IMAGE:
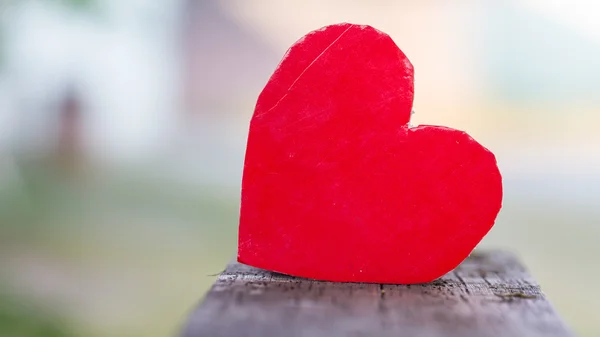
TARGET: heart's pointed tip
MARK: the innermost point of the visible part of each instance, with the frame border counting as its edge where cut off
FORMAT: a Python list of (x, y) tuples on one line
[(240, 259)]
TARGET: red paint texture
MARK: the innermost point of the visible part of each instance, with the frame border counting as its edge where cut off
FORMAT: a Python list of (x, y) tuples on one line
[(338, 187)]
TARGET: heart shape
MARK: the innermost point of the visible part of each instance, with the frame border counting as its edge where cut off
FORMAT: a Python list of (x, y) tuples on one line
[(338, 187)]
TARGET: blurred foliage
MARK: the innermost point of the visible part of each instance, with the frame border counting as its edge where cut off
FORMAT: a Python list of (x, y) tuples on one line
[(77, 3), (122, 226), (18, 319)]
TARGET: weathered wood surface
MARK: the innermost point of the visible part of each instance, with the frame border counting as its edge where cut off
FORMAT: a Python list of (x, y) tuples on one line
[(488, 295)]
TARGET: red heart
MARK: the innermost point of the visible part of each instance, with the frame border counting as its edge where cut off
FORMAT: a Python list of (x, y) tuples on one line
[(338, 187)]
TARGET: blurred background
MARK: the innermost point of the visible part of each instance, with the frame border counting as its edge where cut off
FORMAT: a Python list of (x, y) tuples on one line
[(123, 126)]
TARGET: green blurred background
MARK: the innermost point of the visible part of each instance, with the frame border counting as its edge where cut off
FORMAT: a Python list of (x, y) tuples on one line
[(123, 126)]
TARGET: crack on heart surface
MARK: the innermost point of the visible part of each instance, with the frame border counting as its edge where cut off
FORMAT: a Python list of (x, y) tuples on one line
[(308, 67)]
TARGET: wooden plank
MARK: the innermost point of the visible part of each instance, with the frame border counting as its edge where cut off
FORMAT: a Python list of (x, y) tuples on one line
[(488, 295)]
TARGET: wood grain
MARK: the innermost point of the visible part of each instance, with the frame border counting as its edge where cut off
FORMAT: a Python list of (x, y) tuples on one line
[(489, 295)]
